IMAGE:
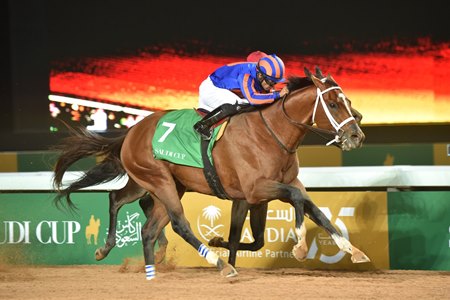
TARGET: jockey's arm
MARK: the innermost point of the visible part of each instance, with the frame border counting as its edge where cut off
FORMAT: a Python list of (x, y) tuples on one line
[(247, 85)]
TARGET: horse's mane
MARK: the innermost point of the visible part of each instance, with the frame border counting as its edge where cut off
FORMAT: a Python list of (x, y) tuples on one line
[(297, 82)]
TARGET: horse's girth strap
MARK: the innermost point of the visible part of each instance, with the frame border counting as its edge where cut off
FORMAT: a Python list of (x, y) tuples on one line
[(210, 173)]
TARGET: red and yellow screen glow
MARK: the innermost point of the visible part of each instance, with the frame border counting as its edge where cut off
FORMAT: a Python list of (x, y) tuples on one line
[(407, 87)]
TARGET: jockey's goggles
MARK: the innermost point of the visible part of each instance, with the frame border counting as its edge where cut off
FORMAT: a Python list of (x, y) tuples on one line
[(267, 79)]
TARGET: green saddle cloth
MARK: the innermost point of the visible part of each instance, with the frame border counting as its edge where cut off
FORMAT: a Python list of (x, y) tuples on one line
[(176, 141)]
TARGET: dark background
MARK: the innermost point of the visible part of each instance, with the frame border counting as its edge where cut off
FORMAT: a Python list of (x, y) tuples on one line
[(35, 33)]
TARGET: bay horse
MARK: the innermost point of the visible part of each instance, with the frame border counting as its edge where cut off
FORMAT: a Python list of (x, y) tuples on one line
[(256, 162)]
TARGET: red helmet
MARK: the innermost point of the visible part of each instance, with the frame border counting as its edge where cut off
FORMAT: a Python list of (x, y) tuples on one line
[(255, 56), (272, 68)]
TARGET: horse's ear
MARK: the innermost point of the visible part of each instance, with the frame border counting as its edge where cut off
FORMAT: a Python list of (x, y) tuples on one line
[(317, 82), (319, 73), (330, 78), (307, 72)]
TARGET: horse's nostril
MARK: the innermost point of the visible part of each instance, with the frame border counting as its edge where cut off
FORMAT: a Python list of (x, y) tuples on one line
[(356, 138)]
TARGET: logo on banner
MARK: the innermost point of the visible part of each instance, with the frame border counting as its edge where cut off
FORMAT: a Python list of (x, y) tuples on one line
[(46, 232), (92, 230), (207, 225), (128, 231), (325, 240)]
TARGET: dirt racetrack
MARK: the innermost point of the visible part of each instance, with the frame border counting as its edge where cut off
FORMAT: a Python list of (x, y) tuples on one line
[(124, 282)]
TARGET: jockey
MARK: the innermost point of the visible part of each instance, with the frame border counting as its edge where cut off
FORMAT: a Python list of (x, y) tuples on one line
[(230, 86)]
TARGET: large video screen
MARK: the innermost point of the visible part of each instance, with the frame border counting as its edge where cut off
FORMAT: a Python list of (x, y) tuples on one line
[(408, 86), (112, 64)]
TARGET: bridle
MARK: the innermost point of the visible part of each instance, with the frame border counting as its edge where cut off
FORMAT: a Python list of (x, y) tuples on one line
[(319, 131)]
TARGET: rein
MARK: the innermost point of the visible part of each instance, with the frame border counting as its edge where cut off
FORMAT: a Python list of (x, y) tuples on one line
[(280, 143)]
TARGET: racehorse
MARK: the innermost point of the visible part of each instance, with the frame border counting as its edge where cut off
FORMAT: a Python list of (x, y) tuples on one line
[(255, 158)]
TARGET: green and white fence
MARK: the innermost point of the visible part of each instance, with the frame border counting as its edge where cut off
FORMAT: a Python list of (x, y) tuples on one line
[(398, 215)]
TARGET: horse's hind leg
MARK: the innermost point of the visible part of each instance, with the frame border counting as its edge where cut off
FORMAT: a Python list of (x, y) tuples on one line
[(167, 194), (149, 231), (131, 192), (157, 219), (160, 255)]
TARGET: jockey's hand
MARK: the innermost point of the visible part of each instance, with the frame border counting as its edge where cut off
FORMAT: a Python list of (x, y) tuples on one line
[(284, 91)]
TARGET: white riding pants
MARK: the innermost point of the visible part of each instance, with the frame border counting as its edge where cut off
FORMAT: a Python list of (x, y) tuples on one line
[(211, 97)]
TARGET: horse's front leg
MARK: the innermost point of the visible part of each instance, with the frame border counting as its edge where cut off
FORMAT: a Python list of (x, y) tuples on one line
[(258, 214), (297, 199), (271, 190), (239, 211), (318, 217)]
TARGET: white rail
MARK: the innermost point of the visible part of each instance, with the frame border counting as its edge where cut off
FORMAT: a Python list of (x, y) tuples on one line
[(378, 177)]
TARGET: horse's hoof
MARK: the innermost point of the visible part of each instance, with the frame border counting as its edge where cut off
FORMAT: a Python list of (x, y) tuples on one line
[(99, 254), (216, 241), (359, 257), (150, 278), (229, 272), (300, 252)]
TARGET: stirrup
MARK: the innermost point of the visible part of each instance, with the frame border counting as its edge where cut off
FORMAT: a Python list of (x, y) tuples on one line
[(204, 131)]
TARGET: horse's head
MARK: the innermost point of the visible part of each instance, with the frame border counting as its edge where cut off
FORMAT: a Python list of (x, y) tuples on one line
[(333, 111)]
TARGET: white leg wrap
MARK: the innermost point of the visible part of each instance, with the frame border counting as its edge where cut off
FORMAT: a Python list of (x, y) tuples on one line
[(342, 243), (150, 272), (301, 233), (210, 256)]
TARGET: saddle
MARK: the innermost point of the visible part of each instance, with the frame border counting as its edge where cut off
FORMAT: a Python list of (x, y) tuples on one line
[(176, 141)]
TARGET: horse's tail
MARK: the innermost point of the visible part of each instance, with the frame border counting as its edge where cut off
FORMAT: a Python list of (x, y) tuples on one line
[(82, 144)]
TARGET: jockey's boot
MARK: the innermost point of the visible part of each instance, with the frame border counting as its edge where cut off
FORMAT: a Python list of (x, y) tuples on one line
[(203, 127)]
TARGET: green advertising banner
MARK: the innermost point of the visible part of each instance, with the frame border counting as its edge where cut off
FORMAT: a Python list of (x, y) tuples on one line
[(419, 230), (397, 230), (34, 231)]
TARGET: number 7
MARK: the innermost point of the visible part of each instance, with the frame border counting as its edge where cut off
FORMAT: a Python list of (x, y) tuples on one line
[(170, 128)]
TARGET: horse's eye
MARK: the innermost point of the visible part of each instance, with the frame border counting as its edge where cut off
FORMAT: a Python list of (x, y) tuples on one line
[(332, 105)]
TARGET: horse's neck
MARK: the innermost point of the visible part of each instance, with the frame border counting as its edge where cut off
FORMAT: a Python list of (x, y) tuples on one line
[(288, 134), (300, 105)]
